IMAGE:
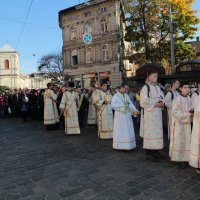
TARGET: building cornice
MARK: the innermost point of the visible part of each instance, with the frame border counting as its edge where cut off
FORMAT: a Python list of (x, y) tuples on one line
[(79, 7)]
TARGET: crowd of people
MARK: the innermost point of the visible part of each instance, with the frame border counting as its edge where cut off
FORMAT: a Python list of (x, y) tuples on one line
[(112, 111)]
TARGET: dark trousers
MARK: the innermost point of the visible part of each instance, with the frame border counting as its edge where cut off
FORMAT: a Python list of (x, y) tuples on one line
[(24, 115), (151, 152)]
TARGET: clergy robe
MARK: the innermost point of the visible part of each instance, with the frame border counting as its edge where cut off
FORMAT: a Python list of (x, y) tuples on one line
[(168, 103), (104, 114), (194, 157), (69, 104), (194, 95), (152, 119), (91, 111), (123, 130), (180, 134), (142, 123), (50, 109)]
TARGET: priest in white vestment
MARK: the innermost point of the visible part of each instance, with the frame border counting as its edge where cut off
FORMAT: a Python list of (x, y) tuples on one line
[(151, 100), (180, 135), (123, 129), (68, 107), (194, 157), (169, 97), (102, 99), (50, 109)]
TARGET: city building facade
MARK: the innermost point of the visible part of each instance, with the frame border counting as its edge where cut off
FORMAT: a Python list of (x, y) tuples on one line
[(102, 57), (11, 76)]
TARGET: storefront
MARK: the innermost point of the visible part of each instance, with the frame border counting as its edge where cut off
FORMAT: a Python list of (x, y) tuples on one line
[(84, 80)]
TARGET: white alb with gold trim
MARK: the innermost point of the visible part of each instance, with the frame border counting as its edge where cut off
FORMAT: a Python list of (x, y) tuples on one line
[(50, 108), (69, 103), (180, 134), (123, 129), (194, 157)]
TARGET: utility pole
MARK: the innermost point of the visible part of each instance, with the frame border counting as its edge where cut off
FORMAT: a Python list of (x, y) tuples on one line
[(171, 38)]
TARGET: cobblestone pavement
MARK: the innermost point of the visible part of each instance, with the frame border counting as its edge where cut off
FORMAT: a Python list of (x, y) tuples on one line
[(39, 164)]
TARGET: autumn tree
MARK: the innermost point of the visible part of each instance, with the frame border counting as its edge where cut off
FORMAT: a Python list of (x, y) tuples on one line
[(149, 32), (52, 65)]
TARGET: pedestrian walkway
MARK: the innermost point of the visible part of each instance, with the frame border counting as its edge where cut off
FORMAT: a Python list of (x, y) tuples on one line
[(39, 164)]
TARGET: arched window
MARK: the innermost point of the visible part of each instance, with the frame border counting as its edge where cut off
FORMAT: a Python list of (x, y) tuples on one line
[(6, 64), (105, 52), (74, 57), (73, 33), (89, 55), (103, 26)]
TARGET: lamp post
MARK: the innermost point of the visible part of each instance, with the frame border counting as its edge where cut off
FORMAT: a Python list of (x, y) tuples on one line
[(171, 38)]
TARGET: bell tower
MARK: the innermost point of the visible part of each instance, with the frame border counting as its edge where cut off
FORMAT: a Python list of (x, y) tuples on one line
[(9, 66)]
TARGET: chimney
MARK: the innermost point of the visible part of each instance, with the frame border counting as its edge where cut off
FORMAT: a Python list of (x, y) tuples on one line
[(197, 39)]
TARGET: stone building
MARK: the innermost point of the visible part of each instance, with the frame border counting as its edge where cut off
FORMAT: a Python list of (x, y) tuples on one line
[(10, 75), (38, 80), (103, 57), (196, 45)]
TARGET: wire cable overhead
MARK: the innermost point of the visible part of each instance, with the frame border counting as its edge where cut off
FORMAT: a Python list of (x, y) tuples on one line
[(22, 30)]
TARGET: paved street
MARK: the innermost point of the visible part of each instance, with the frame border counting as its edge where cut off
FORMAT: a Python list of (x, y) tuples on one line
[(36, 164)]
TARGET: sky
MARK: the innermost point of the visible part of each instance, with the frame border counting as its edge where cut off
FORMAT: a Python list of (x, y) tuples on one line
[(41, 33)]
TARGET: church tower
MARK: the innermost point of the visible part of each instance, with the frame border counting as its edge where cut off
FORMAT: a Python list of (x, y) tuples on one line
[(9, 67)]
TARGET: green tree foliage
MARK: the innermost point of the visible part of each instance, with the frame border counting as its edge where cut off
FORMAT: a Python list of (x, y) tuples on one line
[(3, 88), (149, 32)]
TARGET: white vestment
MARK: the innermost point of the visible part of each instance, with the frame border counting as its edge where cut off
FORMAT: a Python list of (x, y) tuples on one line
[(69, 103), (168, 103), (102, 101), (152, 120), (194, 95), (180, 134), (50, 108), (194, 157), (91, 113), (123, 130)]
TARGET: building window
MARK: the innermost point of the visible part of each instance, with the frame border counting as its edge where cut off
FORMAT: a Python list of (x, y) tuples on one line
[(89, 55), (104, 9), (103, 26), (87, 28), (105, 53), (87, 14), (74, 57), (6, 64), (73, 33)]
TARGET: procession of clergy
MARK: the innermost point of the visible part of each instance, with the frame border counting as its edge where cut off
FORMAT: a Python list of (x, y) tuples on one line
[(113, 116)]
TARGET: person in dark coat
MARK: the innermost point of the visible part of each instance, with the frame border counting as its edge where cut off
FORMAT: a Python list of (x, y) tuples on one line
[(16, 98), (83, 106), (40, 100), (24, 107)]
